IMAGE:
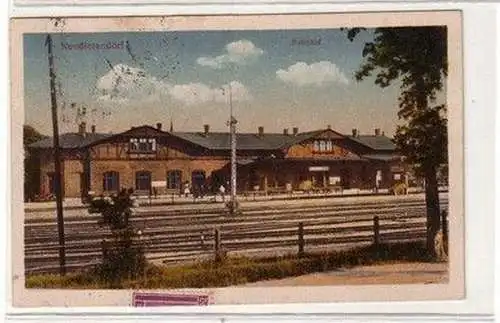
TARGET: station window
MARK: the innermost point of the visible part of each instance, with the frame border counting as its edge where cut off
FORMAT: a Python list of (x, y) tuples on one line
[(111, 181), (174, 179), (322, 146), (142, 145)]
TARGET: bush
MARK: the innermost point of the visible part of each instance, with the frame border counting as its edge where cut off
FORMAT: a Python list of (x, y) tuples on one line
[(241, 270), (80, 280), (123, 257)]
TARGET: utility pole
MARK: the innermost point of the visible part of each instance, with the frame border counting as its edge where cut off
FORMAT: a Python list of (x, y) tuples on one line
[(232, 130), (57, 160)]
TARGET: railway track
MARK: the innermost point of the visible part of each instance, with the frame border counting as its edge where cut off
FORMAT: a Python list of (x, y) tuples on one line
[(175, 236)]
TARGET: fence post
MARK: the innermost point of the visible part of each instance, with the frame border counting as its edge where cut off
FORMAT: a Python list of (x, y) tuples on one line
[(301, 239), (104, 248), (444, 228), (217, 241), (376, 233)]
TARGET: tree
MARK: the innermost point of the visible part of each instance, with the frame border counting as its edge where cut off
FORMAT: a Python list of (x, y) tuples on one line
[(31, 135), (417, 58), (31, 171), (123, 256)]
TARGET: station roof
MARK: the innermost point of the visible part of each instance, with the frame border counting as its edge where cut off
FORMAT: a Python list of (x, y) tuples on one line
[(71, 140), (221, 140)]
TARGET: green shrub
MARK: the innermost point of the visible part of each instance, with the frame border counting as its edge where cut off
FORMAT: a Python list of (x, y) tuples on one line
[(123, 256), (238, 270)]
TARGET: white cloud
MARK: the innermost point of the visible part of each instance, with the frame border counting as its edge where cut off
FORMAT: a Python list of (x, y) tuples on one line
[(317, 73), (192, 93), (197, 93), (238, 52), (213, 62), (124, 84), (112, 99), (243, 48)]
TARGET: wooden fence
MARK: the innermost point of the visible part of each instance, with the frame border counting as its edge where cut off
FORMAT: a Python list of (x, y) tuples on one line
[(251, 236)]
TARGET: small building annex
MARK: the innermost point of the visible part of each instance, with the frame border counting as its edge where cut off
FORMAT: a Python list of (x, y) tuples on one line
[(147, 157)]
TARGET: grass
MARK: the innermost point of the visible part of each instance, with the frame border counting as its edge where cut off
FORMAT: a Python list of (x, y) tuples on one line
[(240, 270)]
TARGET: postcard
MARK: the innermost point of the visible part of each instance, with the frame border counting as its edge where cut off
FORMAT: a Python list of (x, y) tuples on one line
[(237, 159)]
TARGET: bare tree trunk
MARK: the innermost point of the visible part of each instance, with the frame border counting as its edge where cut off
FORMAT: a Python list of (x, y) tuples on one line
[(432, 206)]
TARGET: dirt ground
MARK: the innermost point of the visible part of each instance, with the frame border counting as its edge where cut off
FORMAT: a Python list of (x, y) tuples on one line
[(399, 273)]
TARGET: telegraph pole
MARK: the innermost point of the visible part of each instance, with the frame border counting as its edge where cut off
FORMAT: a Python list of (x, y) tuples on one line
[(57, 160), (232, 130)]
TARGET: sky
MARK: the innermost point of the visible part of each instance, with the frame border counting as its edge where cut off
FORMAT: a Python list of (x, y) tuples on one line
[(275, 78)]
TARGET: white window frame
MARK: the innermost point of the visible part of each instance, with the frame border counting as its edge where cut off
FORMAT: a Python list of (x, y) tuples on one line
[(142, 145)]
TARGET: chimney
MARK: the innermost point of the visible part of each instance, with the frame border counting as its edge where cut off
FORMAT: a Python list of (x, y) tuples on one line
[(377, 132), (285, 131), (93, 128), (295, 131), (354, 132), (329, 127), (261, 131), (206, 129), (158, 126), (82, 128)]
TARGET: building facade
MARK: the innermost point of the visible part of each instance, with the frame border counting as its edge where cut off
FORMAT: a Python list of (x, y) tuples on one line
[(149, 159)]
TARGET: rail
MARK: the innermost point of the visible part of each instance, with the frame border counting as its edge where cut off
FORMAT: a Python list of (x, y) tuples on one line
[(188, 241)]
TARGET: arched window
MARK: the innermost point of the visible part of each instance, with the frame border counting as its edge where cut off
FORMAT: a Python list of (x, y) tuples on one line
[(143, 181), (174, 178), (111, 181)]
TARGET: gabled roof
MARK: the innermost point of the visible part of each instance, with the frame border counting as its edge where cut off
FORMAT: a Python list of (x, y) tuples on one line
[(218, 140), (221, 140), (244, 141), (380, 142), (71, 140)]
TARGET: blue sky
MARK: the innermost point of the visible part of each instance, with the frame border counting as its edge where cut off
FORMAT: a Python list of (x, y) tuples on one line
[(278, 79)]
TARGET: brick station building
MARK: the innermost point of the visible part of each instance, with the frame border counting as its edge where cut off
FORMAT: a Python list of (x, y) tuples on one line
[(148, 159)]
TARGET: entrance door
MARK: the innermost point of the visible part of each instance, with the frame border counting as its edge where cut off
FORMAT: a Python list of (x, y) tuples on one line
[(345, 178), (198, 182), (52, 183), (83, 186), (143, 181), (198, 178), (318, 179)]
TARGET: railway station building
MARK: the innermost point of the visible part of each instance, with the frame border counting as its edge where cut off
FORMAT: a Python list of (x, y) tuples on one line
[(148, 158)]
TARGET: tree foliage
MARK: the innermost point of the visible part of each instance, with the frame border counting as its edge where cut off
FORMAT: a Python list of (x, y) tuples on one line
[(31, 166), (31, 135), (416, 59), (123, 255), (424, 139)]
